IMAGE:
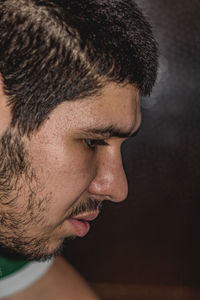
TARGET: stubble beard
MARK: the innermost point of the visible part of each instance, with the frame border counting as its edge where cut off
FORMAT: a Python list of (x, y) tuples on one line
[(17, 219), (18, 181)]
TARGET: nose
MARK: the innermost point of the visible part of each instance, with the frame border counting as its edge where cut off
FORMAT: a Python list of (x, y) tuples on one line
[(110, 182)]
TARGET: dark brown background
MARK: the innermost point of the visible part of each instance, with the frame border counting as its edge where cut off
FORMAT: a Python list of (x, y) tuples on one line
[(153, 237)]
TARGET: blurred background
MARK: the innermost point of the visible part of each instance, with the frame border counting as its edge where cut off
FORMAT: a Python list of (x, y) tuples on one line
[(148, 247)]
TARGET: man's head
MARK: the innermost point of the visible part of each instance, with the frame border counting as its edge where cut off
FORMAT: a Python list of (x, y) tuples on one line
[(71, 75)]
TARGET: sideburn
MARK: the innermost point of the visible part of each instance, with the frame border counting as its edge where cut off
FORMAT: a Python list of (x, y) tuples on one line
[(12, 164)]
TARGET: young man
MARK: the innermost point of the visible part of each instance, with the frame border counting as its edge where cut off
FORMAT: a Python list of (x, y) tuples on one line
[(71, 76)]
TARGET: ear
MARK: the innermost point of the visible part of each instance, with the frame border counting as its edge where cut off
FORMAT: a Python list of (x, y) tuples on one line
[(5, 112), (1, 84), (1, 87)]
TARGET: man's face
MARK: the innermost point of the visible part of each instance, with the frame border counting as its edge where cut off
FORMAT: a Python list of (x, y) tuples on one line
[(58, 178)]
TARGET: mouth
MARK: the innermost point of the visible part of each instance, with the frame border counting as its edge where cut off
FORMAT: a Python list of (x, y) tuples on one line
[(81, 224)]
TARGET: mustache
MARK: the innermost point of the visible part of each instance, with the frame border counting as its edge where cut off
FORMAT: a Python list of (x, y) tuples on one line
[(87, 206)]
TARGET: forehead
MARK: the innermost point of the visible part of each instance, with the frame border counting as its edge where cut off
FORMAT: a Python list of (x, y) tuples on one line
[(116, 106)]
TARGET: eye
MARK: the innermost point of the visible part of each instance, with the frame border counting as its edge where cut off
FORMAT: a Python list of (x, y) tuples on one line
[(93, 143)]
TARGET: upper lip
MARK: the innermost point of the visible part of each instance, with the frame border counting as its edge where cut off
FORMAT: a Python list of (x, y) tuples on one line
[(87, 216)]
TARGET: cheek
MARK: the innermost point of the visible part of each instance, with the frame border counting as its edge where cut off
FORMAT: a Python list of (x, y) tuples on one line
[(66, 162), (72, 174), (64, 173)]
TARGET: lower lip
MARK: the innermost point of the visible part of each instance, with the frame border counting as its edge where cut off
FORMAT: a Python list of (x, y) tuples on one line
[(81, 227)]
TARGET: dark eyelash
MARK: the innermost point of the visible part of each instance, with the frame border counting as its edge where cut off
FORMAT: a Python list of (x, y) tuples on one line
[(95, 143)]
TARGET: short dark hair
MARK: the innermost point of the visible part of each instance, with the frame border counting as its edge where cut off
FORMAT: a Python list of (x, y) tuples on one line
[(57, 50)]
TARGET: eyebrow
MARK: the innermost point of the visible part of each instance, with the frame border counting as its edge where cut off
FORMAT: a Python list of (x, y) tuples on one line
[(110, 131)]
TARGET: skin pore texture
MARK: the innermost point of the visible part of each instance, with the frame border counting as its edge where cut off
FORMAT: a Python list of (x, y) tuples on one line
[(65, 170)]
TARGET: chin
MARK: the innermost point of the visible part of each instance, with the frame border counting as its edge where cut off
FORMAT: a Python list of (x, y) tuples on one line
[(54, 248)]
